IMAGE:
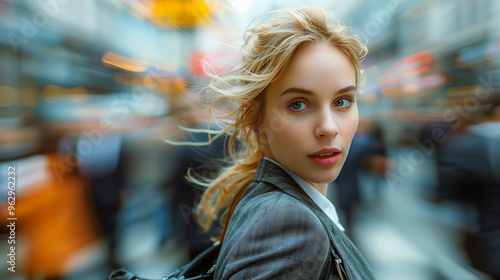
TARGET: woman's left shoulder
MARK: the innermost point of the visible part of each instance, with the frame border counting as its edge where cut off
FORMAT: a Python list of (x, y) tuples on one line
[(276, 235), (277, 212)]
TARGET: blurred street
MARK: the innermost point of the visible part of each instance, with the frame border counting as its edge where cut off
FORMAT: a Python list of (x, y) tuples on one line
[(91, 89)]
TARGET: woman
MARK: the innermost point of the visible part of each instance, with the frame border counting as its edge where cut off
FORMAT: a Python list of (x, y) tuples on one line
[(295, 113)]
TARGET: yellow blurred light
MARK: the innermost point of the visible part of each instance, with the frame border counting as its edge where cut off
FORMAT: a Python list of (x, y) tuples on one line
[(119, 61), (181, 84), (180, 12)]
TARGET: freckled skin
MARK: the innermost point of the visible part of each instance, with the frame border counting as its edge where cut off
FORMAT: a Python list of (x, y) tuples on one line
[(298, 124)]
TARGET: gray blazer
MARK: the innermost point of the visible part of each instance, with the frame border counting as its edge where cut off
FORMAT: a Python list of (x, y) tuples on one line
[(278, 232)]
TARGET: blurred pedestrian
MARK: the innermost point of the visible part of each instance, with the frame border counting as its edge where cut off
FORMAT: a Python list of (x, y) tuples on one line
[(367, 153), (199, 158), (469, 172)]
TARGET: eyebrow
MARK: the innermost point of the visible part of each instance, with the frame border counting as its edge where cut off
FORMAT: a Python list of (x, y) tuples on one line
[(308, 92)]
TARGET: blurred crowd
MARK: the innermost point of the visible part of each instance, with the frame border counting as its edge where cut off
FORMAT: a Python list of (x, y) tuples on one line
[(90, 90)]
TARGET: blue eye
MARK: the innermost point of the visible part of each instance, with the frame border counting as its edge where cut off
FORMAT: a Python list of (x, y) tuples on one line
[(298, 106), (343, 103)]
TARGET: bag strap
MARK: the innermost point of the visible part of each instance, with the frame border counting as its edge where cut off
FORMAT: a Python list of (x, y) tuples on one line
[(122, 274), (190, 271), (200, 262)]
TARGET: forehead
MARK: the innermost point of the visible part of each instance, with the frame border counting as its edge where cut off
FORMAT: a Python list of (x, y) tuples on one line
[(318, 67)]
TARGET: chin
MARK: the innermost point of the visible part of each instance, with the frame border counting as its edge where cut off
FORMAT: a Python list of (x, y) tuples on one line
[(326, 178)]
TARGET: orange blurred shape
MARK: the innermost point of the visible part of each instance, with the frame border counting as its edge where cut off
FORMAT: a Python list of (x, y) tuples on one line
[(409, 66), (129, 79), (403, 90), (54, 220), (418, 63), (410, 89), (52, 93), (369, 98), (460, 91), (184, 13), (158, 83), (115, 60), (463, 101), (26, 97), (202, 62)]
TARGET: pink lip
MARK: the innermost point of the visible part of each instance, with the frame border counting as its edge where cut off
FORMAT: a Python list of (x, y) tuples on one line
[(325, 151), (325, 161)]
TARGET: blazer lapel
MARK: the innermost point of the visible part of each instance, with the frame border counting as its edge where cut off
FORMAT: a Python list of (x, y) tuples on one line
[(355, 265)]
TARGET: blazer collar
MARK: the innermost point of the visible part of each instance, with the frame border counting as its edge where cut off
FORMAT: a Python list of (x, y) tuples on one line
[(356, 265), (270, 173)]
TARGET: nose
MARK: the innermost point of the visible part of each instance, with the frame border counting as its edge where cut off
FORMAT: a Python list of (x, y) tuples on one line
[(326, 125)]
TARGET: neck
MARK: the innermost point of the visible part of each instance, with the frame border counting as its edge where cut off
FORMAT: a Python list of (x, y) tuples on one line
[(322, 188)]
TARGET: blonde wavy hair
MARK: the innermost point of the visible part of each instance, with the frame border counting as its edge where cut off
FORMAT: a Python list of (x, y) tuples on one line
[(268, 48)]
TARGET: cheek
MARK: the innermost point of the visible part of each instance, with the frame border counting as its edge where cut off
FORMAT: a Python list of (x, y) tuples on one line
[(274, 124), (286, 135), (290, 135), (349, 126)]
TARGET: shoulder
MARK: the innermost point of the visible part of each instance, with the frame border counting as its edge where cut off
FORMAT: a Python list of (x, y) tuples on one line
[(275, 209), (471, 147), (275, 233), (462, 142)]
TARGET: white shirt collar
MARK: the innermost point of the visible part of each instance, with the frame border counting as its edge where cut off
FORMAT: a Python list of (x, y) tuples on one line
[(323, 202)]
